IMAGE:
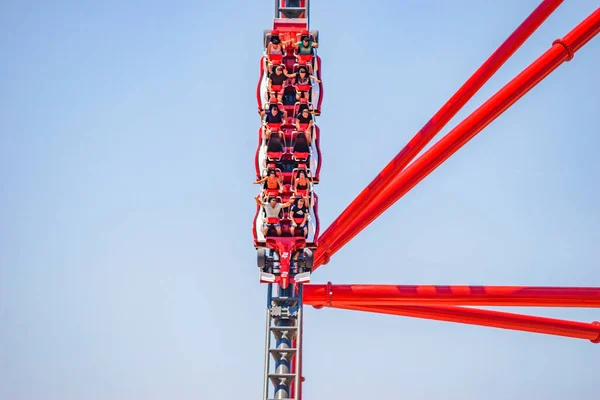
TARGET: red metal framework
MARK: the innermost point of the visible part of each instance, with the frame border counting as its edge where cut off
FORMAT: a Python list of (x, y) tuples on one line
[(371, 202), (455, 303), (492, 319), (492, 296), (397, 179), (439, 303)]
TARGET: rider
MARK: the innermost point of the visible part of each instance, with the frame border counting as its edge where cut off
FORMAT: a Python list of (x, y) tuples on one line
[(304, 123), (301, 184), (271, 182), (276, 49), (305, 49), (302, 82), (277, 79), (300, 214), (274, 118), (272, 210)]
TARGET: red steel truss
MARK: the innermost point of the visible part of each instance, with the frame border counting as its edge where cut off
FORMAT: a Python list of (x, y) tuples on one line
[(493, 319), (561, 50), (338, 228), (447, 303), (440, 303), (493, 296)]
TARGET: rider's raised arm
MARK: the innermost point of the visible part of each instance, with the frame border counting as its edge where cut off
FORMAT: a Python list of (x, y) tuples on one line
[(289, 202), (259, 201)]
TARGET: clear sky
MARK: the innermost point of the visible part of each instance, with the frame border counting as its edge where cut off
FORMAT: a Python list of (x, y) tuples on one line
[(127, 139)]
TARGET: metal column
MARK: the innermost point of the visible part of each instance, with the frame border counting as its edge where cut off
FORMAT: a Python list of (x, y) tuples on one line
[(284, 318)]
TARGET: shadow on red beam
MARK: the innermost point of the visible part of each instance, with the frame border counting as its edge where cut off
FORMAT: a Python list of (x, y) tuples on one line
[(494, 319), (398, 295)]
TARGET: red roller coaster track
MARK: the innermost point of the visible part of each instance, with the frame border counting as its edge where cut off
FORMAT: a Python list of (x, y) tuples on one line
[(456, 303)]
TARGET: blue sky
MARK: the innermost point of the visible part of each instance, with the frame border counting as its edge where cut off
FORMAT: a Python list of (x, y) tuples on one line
[(127, 138)]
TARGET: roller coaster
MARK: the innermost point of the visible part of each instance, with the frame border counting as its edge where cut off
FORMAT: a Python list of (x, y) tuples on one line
[(286, 229)]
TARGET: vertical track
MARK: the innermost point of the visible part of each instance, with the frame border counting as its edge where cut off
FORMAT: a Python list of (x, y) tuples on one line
[(283, 342), (299, 340), (267, 341), (283, 322)]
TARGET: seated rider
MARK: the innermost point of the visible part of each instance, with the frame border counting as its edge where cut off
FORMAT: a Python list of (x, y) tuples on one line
[(275, 49), (305, 49), (273, 103), (304, 123), (276, 81), (274, 118), (303, 83), (300, 214), (272, 210), (272, 183), (301, 184)]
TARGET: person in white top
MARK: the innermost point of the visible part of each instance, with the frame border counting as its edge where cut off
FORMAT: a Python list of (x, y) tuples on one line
[(276, 47), (272, 209)]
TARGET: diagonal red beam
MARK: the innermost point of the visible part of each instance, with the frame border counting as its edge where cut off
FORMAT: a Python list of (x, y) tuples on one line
[(441, 118), (426, 295), (562, 50), (494, 319)]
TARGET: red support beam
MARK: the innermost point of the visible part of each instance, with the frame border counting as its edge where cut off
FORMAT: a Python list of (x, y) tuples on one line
[(493, 319), (494, 296), (441, 118), (562, 50)]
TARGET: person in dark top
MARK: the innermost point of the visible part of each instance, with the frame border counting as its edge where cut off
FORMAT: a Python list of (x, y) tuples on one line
[(303, 82), (274, 115), (304, 123), (300, 214), (301, 108), (304, 116), (277, 79), (301, 185), (273, 104), (273, 120)]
